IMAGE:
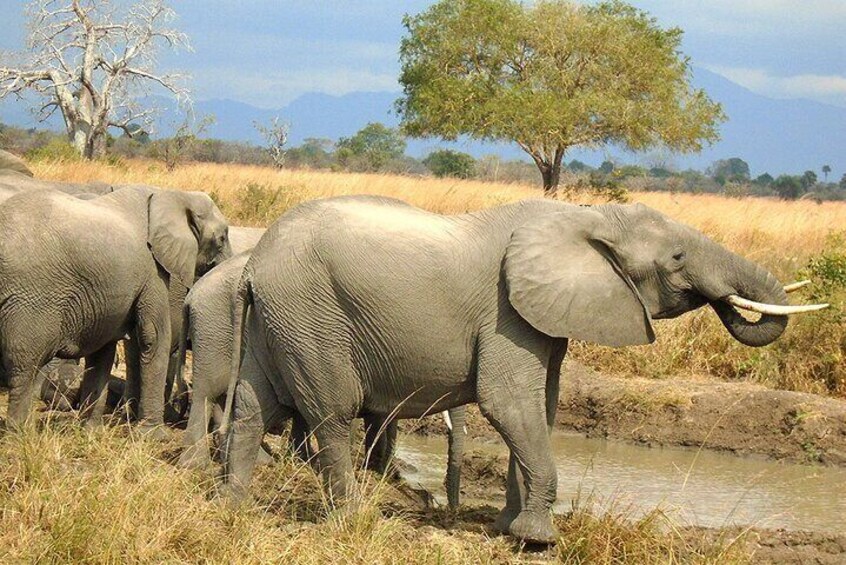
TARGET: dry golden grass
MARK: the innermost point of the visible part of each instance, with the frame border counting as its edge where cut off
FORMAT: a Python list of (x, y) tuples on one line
[(72, 496), (780, 235), (773, 232)]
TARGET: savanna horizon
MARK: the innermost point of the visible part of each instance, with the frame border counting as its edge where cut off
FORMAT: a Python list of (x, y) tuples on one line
[(783, 236)]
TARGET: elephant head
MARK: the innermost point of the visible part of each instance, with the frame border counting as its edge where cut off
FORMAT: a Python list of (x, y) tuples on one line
[(187, 234), (602, 274)]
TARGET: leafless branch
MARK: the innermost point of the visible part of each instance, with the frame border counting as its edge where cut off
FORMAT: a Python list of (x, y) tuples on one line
[(92, 61)]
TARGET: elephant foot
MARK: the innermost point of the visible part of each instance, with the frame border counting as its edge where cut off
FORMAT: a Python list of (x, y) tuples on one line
[(503, 521), (155, 432), (264, 457), (93, 424), (192, 458), (532, 527), (233, 495)]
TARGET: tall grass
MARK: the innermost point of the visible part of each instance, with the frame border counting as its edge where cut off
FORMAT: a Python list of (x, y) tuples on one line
[(782, 236), (72, 496)]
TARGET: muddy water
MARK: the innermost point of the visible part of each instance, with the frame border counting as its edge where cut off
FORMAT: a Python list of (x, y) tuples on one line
[(694, 488)]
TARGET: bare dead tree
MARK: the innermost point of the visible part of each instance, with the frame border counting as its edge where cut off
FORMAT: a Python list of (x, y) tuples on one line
[(275, 137), (92, 62)]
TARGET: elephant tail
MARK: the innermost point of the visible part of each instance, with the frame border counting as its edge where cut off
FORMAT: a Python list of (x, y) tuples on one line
[(181, 385), (241, 302)]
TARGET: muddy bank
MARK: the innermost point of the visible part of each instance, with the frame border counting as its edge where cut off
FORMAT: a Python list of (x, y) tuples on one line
[(739, 418)]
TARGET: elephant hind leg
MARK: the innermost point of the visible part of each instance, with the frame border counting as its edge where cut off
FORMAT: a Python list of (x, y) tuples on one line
[(95, 380), (255, 410), (21, 377), (333, 440), (379, 443)]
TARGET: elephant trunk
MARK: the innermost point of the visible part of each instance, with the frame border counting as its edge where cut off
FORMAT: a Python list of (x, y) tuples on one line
[(753, 283)]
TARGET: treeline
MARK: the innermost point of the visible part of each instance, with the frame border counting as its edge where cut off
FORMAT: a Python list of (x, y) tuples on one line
[(379, 149)]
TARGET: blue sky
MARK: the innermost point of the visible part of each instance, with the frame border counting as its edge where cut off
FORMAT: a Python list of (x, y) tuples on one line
[(267, 52)]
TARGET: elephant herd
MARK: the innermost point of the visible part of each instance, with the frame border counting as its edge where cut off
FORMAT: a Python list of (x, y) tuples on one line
[(345, 308)]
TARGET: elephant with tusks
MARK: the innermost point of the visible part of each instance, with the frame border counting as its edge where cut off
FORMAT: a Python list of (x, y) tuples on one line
[(365, 305)]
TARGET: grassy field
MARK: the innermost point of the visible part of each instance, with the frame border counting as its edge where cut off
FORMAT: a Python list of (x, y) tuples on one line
[(782, 236)]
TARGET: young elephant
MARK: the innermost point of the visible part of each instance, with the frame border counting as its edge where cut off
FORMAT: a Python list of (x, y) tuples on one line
[(77, 276), (207, 327), (362, 304)]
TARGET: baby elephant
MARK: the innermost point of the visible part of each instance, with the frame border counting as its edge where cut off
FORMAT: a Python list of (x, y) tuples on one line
[(207, 328)]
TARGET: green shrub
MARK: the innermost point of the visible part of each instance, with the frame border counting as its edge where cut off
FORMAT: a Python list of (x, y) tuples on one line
[(56, 149)]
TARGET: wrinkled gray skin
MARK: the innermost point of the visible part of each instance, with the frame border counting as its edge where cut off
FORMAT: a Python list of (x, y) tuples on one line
[(13, 163), (59, 379), (367, 306), (77, 276), (13, 182), (207, 328)]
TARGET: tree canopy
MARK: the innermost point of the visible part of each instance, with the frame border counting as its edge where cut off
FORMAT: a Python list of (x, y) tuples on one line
[(370, 148), (550, 76), (449, 163), (734, 169)]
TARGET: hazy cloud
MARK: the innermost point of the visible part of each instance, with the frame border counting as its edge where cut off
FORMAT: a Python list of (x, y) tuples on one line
[(827, 87)]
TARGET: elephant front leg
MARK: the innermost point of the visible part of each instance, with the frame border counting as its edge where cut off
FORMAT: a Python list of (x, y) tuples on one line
[(515, 494), (94, 389), (153, 343), (379, 443), (511, 393)]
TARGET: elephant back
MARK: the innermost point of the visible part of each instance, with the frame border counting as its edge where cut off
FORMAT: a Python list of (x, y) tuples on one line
[(9, 162)]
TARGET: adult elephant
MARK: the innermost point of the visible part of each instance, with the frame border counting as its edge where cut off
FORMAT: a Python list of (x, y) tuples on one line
[(365, 305), (62, 378), (77, 276), (208, 331)]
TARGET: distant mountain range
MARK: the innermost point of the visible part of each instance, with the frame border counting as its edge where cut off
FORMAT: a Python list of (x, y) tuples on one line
[(776, 136)]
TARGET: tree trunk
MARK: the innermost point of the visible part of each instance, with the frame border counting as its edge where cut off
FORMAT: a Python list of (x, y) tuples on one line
[(551, 174), (550, 169)]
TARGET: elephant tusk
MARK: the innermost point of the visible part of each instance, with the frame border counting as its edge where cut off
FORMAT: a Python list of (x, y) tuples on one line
[(771, 309), (796, 286), (447, 419)]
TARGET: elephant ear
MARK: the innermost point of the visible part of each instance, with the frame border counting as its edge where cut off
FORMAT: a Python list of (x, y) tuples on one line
[(563, 278), (171, 235)]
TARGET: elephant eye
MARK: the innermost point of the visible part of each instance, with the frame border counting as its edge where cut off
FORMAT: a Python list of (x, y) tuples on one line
[(678, 256)]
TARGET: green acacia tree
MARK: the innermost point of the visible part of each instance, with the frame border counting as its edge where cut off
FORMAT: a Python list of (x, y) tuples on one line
[(550, 75), (371, 148)]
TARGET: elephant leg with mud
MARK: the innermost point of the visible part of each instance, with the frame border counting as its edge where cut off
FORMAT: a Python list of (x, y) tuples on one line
[(207, 327), (77, 276), (365, 304)]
